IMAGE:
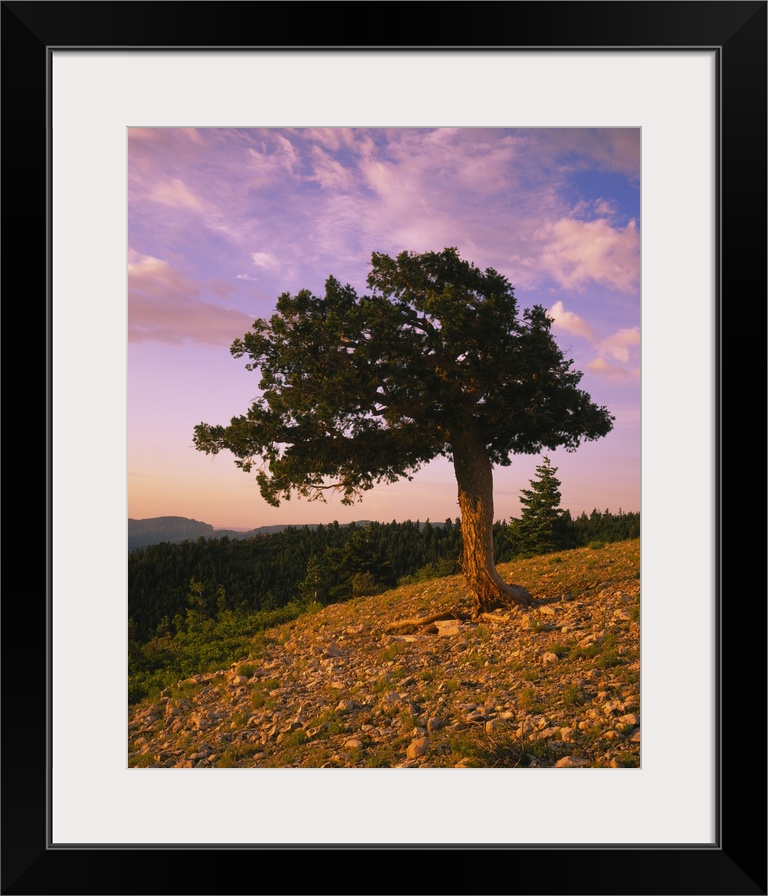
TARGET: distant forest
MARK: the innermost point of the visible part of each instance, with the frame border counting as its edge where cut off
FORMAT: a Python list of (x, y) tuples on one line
[(324, 564)]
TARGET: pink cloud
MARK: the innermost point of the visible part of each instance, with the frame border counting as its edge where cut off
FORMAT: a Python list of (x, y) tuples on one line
[(173, 148), (176, 194), (164, 305), (618, 345), (569, 322), (264, 260), (611, 149), (605, 208), (330, 173), (272, 159), (166, 135), (612, 372), (577, 252)]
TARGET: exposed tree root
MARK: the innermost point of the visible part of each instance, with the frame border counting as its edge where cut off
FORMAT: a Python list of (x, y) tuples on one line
[(458, 615), (419, 621)]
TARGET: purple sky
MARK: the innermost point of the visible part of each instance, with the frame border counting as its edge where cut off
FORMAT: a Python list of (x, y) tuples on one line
[(221, 221)]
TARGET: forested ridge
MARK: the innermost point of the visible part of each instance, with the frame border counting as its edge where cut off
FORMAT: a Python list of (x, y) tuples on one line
[(323, 564)]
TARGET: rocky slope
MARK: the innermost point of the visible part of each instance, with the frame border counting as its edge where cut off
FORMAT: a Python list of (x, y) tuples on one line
[(557, 684)]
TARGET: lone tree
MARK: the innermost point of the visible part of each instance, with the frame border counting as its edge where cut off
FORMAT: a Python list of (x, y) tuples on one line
[(435, 361), (542, 526)]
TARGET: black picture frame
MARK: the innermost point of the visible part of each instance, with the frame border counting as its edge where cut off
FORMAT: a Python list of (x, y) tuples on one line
[(736, 862)]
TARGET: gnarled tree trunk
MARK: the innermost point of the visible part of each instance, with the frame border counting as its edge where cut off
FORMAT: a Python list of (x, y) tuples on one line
[(474, 475)]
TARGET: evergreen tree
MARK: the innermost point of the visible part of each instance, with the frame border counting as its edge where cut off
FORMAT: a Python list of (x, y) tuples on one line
[(437, 360), (314, 587), (543, 527)]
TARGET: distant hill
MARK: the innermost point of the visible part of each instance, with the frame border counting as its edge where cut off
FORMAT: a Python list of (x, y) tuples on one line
[(176, 529)]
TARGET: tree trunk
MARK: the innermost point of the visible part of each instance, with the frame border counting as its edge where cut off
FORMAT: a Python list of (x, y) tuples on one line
[(474, 476)]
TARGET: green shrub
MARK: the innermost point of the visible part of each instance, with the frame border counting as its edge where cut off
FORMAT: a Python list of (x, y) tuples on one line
[(571, 695), (207, 647), (609, 659), (295, 738), (529, 700)]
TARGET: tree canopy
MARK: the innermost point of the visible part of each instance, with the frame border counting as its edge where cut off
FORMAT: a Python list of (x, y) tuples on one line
[(435, 360)]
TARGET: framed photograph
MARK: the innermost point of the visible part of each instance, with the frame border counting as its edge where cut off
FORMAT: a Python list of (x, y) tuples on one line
[(688, 80)]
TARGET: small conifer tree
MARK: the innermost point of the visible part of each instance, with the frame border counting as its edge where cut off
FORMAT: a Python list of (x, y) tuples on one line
[(543, 526)]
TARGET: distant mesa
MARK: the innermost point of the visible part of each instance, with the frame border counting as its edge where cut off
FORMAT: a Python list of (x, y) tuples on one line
[(176, 529)]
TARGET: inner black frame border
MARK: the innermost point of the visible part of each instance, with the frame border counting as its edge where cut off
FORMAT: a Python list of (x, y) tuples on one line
[(736, 863)]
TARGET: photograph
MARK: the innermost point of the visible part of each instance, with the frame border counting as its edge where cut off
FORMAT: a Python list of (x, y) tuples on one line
[(384, 447), (386, 457)]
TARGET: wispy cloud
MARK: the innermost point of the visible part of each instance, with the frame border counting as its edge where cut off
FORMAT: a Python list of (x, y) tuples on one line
[(176, 194), (618, 356), (612, 371), (616, 374), (618, 345), (607, 149), (288, 207), (166, 306), (264, 260)]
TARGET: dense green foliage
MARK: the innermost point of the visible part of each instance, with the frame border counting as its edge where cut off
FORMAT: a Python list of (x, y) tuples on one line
[(572, 532), (326, 563), (603, 526)]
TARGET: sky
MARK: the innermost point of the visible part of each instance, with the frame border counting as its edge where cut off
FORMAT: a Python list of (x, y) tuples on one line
[(222, 221)]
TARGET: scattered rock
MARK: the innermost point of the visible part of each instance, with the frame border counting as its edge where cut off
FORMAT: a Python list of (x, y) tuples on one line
[(571, 762), (418, 747), (494, 725)]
